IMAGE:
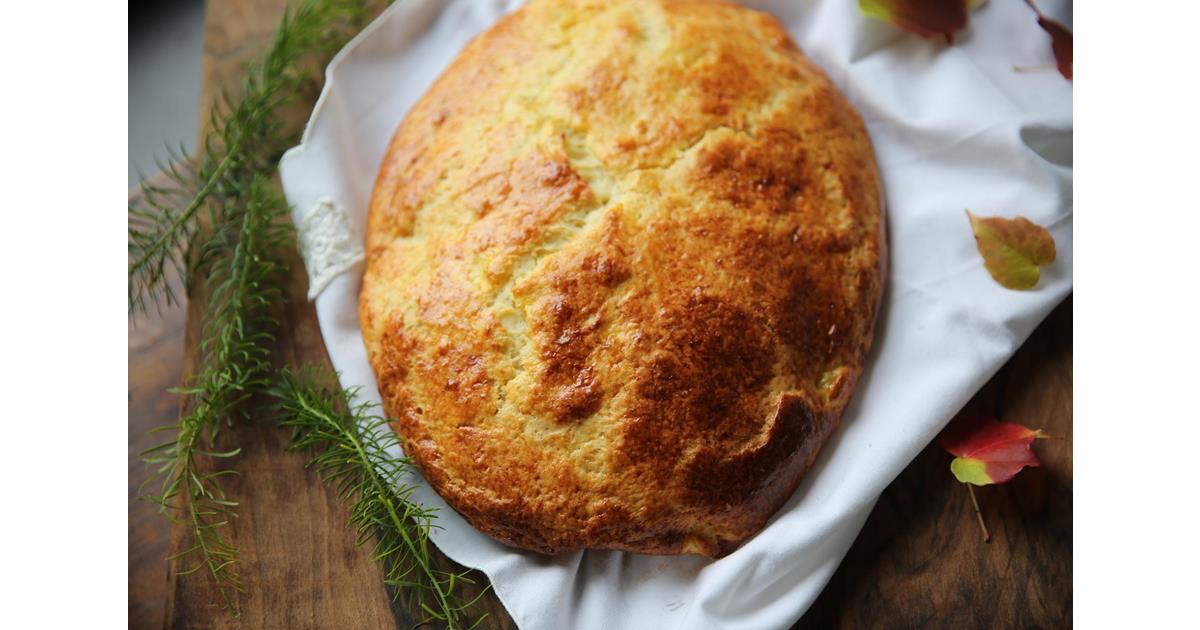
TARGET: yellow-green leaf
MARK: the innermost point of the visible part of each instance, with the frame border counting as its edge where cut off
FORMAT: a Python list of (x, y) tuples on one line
[(927, 18), (1013, 250), (973, 471)]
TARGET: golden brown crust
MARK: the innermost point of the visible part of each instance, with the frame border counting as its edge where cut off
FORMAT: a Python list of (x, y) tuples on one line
[(624, 262)]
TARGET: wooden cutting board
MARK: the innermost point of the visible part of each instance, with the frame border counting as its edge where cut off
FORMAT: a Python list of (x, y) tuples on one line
[(920, 561)]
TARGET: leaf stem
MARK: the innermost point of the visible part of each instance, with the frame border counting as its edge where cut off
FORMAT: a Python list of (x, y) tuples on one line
[(987, 536)]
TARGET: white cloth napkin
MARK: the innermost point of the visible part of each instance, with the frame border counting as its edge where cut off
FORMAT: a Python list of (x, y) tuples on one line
[(953, 128)]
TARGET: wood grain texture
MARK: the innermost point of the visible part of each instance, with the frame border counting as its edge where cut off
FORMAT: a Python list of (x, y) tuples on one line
[(155, 360), (919, 562)]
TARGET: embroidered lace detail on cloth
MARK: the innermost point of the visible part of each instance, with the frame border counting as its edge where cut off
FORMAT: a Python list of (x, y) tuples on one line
[(328, 244)]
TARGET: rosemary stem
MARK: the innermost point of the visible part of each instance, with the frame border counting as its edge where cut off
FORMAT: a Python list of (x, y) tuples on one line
[(208, 557), (198, 200), (381, 490), (236, 257)]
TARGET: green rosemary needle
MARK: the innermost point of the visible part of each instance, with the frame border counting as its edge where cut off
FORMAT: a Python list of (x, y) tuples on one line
[(233, 253), (235, 362), (246, 139), (350, 450)]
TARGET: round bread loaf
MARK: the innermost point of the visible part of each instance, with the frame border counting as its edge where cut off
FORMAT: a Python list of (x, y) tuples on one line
[(624, 262)]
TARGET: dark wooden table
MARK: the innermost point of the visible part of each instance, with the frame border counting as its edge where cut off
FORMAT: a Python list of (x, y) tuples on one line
[(920, 561)]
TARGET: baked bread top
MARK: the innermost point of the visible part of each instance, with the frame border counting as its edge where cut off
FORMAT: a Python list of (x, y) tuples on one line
[(624, 262)]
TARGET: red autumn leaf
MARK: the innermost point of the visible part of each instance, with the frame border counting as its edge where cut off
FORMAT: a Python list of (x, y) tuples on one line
[(1060, 40), (927, 18), (988, 451)]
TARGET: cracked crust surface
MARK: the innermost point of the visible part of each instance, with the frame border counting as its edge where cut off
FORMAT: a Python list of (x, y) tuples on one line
[(623, 265)]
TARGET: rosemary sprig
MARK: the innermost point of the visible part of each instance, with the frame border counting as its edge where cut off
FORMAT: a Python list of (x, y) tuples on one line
[(236, 361), (233, 254), (349, 446), (246, 140)]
